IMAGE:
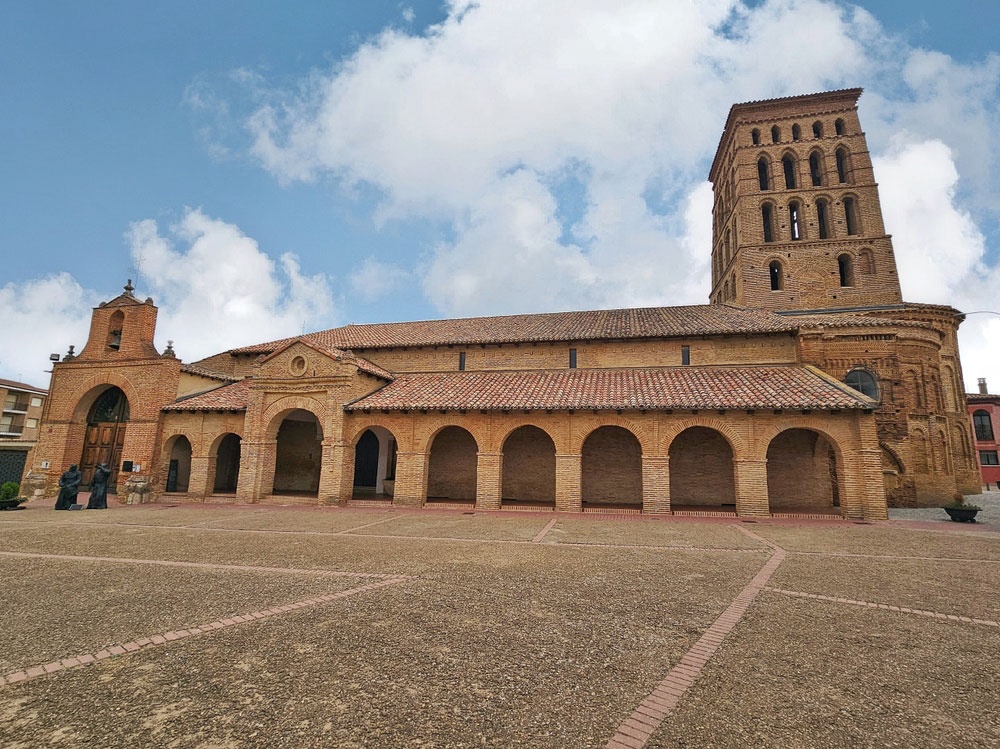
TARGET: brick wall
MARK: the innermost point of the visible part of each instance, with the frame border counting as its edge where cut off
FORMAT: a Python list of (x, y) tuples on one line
[(701, 469), (612, 467), (529, 466), (453, 461)]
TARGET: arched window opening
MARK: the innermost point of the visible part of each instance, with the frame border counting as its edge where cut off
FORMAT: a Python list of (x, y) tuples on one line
[(775, 134), (823, 218), (777, 282), (767, 218), (839, 126), (796, 132), (866, 261), (115, 325), (227, 465), (755, 136), (851, 216), (763, 178), (817, 129), (788, 164), (846, 267), (842, 165), (815, 169), (863, 381), (794, 226), (984, 426)]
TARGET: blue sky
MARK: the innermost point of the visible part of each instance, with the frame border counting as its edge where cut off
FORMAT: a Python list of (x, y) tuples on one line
[(267, 168)]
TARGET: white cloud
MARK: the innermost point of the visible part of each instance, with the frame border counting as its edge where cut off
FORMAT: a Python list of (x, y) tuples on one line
[(221, 290), (41, 317), (475, 122), (375, 280)]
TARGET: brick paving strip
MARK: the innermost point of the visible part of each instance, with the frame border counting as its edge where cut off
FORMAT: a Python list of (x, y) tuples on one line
[(152, 641), (201, 565), (884, 607), (541, 534), (636, 730)]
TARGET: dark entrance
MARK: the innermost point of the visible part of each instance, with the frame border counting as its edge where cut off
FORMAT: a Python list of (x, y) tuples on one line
[(366, 461), (105, 435)]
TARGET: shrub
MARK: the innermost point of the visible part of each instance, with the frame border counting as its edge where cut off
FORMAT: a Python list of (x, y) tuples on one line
[(9, 490)]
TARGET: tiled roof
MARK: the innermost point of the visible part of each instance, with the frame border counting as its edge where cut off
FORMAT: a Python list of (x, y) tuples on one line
[(850, 321), (649, 322), (232, 397), (205, 372), (14, 385), (726, 388)]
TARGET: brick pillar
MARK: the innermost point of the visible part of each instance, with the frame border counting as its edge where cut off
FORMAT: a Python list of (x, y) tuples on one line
[(411, 480), (488, 481), (875, 506), (331, 474), (256, 470), (751, 488), (569, 483), (199, 476), (656, 485)]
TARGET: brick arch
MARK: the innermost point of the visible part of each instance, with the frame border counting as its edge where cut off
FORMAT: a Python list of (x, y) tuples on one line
[(275, 413), (184, 468), (452, 464), (528, 468), (355, 434), (702, 468), (213, 447), (425, 433), (797, 481), (610, 468), (737, 441), (839, 434), (500, 436), (641, 433), (92, 388), (168, 436)]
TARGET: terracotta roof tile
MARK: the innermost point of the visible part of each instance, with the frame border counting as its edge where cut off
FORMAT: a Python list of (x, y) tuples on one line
[(726, 388), (206, 372), (232, 397), (649, 322)]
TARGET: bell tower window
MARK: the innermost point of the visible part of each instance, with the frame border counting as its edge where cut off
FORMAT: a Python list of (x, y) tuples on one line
[(845, 266), (767, 218), (775, 134), (851, 215), (794, 226), (842, 165), (777, 283), (815, 169), (788, 164), (115, 330), (823, 218), (763, 178)]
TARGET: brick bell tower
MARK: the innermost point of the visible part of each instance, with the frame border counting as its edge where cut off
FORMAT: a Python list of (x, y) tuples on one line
[(797, 223)]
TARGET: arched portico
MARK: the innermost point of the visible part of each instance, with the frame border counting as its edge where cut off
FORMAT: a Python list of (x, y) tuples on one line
[(178, 455), (804, 472), (224, 464), (702, 470), (611, 469), (452, 466), (374, 462), (528, 468), (298, 454)]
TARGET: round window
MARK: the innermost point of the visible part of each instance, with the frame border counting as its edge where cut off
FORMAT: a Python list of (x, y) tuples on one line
[(298, 366), (862, 381)]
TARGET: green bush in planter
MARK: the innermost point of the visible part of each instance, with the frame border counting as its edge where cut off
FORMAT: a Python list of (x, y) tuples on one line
[(9, 490)]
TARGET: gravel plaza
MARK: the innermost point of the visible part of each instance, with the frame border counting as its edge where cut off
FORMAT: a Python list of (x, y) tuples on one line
[(220, 626)]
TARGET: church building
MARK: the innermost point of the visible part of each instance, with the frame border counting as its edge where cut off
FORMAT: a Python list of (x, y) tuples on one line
[(806, 385)]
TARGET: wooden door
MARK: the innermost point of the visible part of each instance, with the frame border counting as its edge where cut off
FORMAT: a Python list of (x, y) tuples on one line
[(103, 444)]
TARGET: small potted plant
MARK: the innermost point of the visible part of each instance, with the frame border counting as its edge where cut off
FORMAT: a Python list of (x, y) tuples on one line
[(960, 511), (8, 496)]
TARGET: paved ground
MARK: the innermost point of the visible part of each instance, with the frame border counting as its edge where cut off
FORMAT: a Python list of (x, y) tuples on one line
[(225, 626)]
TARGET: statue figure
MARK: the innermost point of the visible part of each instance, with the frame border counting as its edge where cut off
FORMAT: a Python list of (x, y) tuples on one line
[(99, 488), (69, 487)]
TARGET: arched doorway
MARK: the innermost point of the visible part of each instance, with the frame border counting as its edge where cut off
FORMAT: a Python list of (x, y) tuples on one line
[(227, 464), (611, 469), (298, 454), (105, 435), (375, 463), (802, 474), (701, 470), (179, 464), (451, 474), (529, 468)]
